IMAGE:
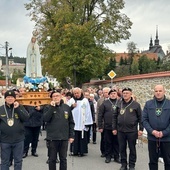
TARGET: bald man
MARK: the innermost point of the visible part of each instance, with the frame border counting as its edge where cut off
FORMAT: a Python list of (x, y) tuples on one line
[(156, 120)]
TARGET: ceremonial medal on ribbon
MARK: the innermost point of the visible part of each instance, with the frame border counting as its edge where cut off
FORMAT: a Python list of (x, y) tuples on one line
[(114, 107), (122, 111), (10, 122), (158, 111)]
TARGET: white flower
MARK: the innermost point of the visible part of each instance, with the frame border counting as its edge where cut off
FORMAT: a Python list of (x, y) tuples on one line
[(27, 85), (40, 86), (22, 84), (30, 86), (46, 85), (36, 87)]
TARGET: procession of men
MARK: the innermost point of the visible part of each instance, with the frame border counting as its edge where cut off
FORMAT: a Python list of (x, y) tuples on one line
[(120, 120)]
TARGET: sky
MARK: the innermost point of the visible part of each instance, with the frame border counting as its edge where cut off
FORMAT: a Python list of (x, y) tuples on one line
[(16, 27), (145, 16)]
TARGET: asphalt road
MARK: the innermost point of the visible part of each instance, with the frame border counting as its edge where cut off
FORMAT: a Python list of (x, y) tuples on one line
[(92, 161)]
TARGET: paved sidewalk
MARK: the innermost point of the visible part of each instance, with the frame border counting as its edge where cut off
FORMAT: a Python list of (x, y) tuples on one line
[(92, 161)]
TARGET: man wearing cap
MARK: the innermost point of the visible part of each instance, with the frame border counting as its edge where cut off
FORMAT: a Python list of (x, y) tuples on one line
[(106, 111), (12, 116), (125, 124), (60, 130)]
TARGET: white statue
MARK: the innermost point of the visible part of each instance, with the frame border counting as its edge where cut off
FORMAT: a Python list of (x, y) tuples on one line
[(33, 60)]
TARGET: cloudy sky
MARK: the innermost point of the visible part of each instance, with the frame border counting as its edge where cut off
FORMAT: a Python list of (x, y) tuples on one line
[(16, 28), (146, 15)]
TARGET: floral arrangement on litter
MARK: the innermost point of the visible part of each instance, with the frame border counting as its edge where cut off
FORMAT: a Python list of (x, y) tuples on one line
[(35, 84)]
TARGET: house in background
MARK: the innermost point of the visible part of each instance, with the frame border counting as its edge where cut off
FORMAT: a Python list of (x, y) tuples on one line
[(12, 66)]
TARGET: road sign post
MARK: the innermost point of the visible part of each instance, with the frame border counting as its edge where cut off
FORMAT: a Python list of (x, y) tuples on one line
[(111, 74)]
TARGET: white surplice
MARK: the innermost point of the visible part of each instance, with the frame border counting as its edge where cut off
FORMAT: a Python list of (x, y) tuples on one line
[(82, 115)]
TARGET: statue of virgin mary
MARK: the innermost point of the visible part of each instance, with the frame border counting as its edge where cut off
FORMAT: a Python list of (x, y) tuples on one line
[(33, 60)]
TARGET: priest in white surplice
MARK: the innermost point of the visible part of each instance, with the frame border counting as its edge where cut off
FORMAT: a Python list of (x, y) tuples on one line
[(82, 116)]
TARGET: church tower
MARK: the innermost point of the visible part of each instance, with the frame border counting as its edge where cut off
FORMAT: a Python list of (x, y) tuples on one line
[(150, 44), (156, 40), (156, 47)]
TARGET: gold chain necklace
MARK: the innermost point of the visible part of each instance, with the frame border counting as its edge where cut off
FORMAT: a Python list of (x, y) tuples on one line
[(123, 110)]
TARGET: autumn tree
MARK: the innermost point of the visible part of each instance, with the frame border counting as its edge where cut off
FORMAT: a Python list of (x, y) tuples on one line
[(73, 34)]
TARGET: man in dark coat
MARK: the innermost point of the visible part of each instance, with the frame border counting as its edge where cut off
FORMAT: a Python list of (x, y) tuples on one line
[(32, 129), (60, 130), (156, 121), (12, 116), (128, 125), (106, 111)]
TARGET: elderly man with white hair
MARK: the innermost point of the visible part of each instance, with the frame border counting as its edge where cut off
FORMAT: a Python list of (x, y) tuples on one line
[(82, 117)]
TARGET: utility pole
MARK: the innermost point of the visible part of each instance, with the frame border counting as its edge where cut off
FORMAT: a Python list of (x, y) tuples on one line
[(7, 64)]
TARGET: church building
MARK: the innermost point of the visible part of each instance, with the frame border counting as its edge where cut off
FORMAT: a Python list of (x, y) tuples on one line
[(155, 48)]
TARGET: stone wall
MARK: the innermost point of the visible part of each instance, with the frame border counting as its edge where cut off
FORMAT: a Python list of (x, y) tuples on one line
[(142, 85)]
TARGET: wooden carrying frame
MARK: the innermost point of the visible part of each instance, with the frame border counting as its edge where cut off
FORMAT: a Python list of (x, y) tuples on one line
[(34, 98)]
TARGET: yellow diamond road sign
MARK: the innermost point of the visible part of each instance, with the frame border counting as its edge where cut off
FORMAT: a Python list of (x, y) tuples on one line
[(111, 74)]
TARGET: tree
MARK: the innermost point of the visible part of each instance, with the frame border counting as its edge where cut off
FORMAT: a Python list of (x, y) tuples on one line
[(131, 47), (165, 66), (2, 77), (121, 62), (111, 65), (78, 31), (134, 67), (147, 65), (125, 61), (122, 70), (159, 62), (16, 74)]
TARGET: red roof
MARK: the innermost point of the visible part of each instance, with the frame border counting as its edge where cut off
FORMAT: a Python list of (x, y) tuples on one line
[(126, 55)]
